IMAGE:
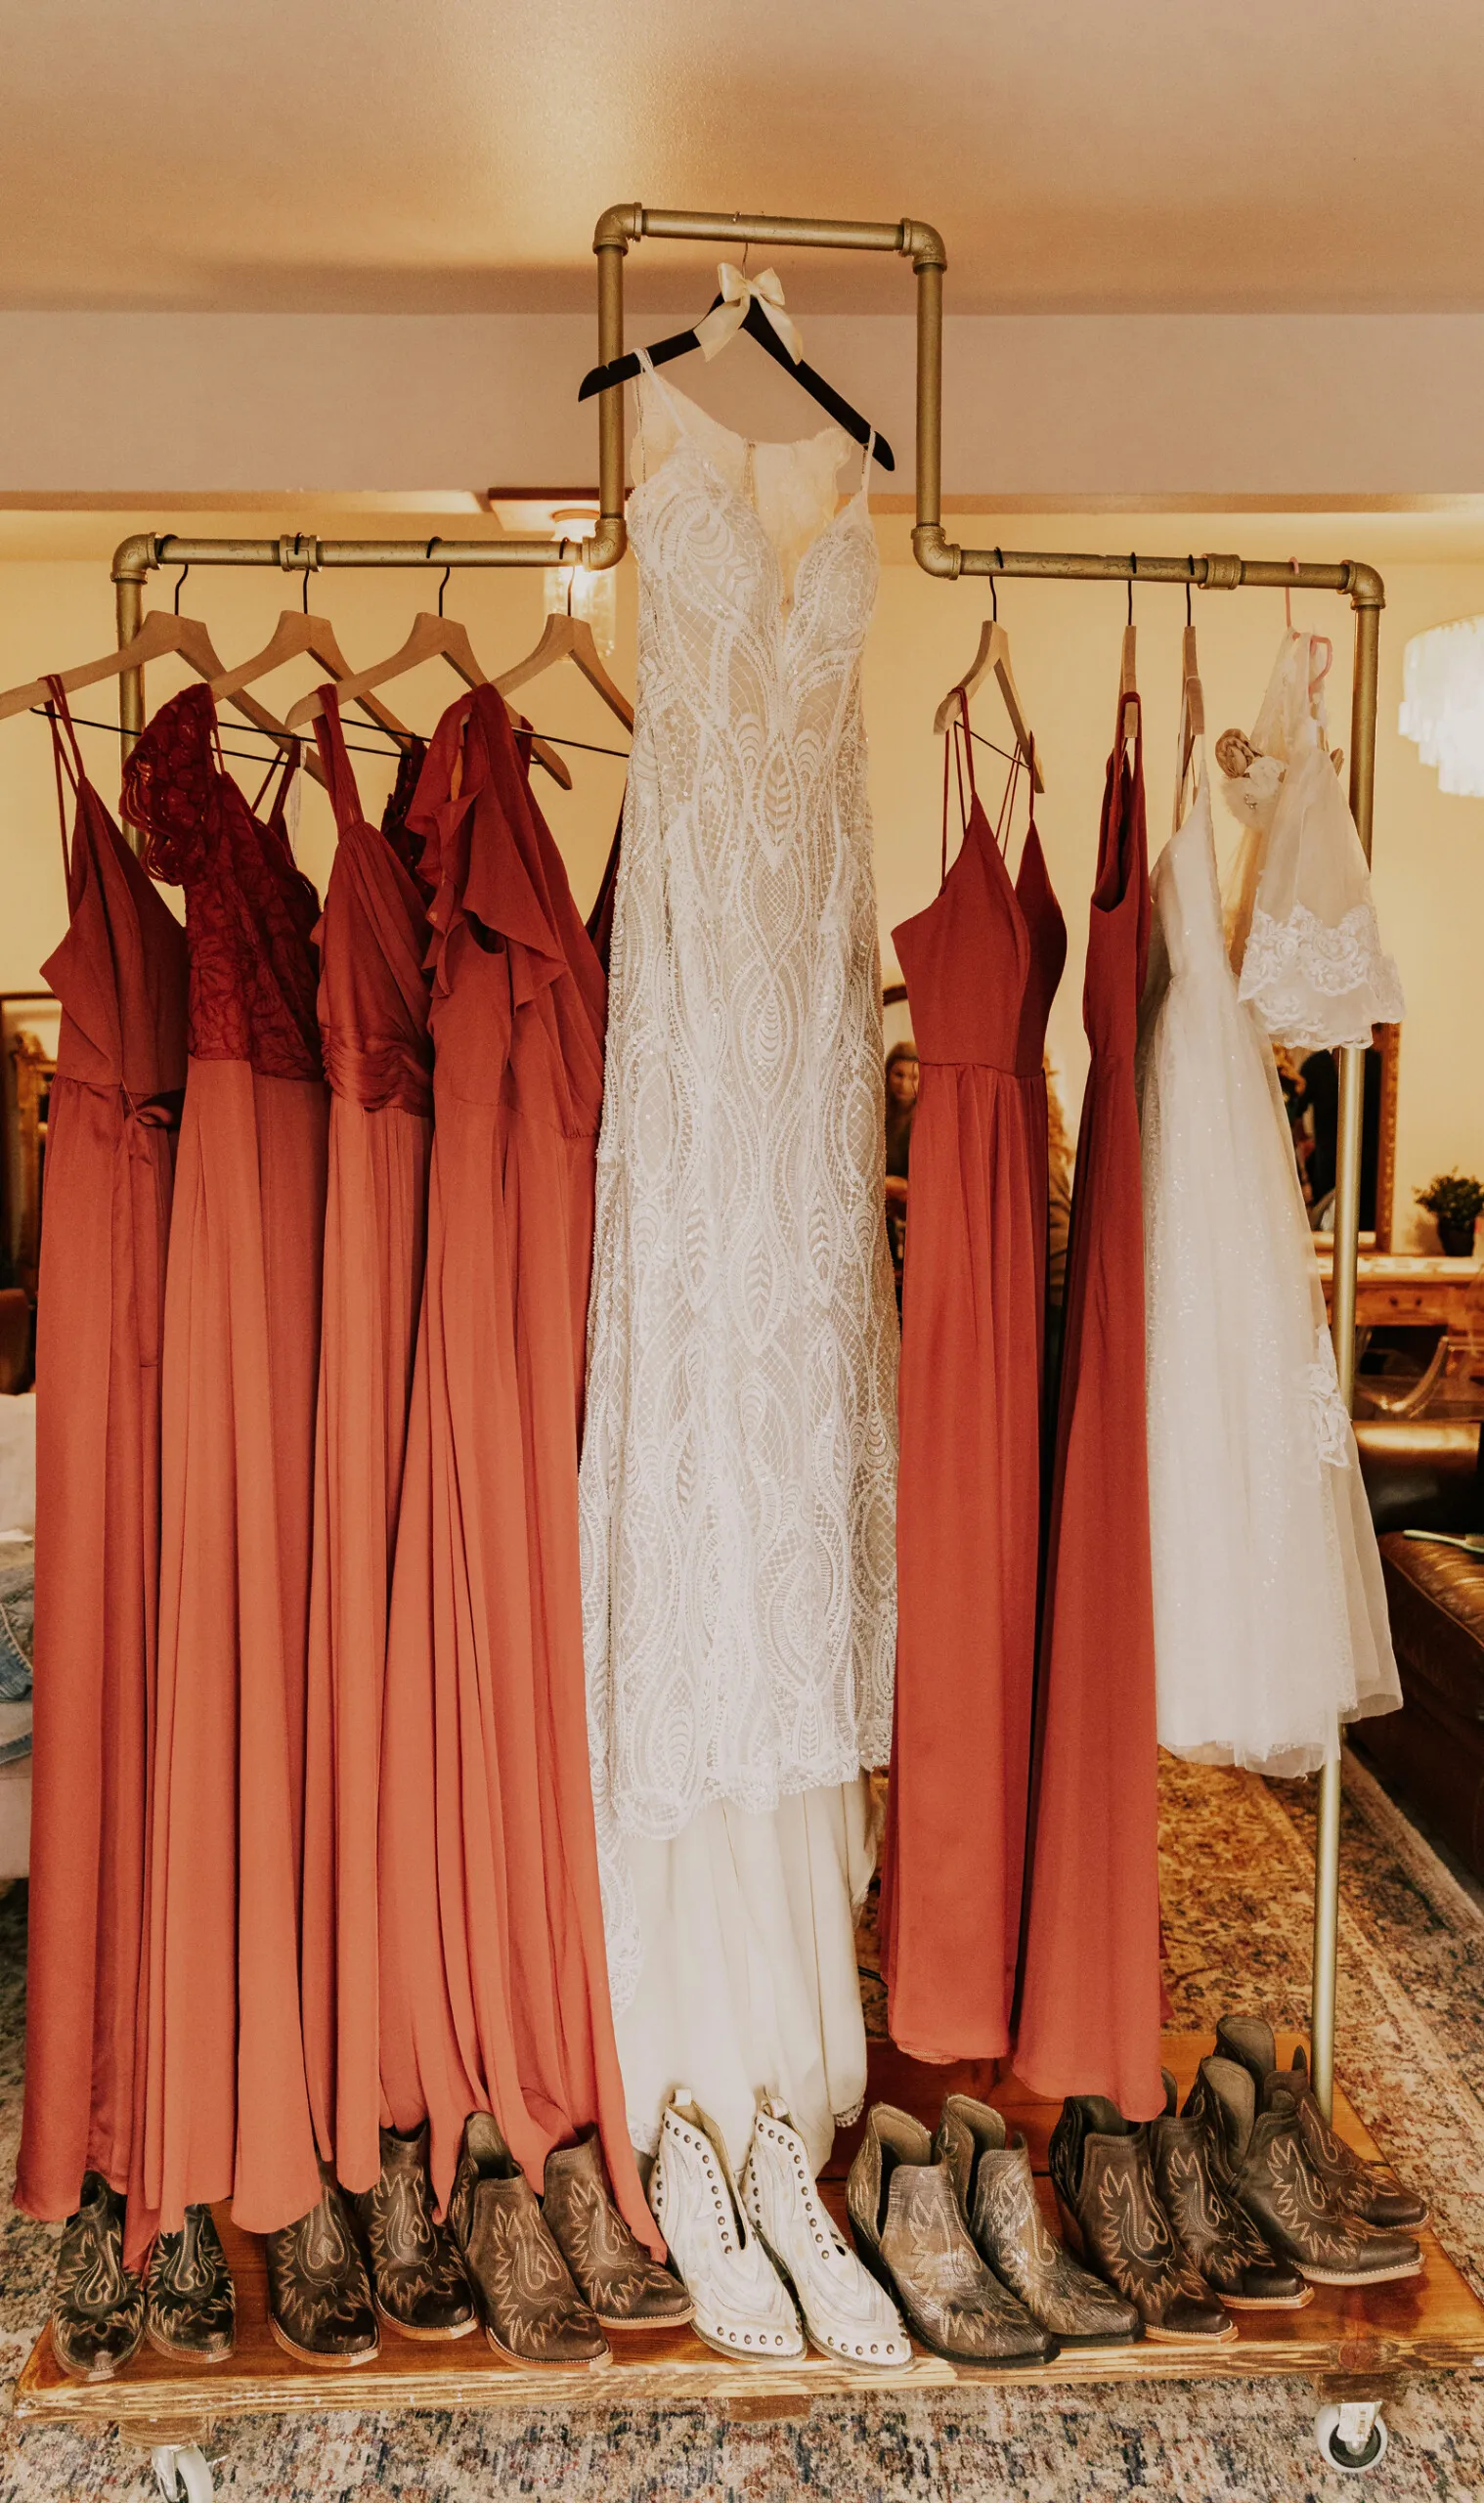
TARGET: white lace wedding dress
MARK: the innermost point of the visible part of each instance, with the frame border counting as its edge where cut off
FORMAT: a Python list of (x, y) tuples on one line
[(1311, 958), (1270, 1612), (738, 1470)]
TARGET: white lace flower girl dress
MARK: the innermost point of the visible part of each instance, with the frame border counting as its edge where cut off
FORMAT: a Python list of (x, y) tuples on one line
[(1311, 963), (1270, 1612)]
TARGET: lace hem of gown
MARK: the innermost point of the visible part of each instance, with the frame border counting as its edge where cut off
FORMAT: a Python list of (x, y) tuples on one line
[(1318, 985), (1327, 1413)]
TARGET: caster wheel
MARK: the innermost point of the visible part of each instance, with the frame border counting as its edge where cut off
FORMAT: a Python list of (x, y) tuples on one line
[(182, 2476), (1353, 2438)]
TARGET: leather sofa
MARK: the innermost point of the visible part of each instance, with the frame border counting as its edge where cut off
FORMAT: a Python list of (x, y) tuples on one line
[(1421, 1475)]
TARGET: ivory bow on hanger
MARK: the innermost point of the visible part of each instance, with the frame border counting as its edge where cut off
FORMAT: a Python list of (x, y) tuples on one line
[(739, 293)]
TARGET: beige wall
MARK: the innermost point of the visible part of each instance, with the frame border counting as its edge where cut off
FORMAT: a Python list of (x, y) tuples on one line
[(1430, 851)]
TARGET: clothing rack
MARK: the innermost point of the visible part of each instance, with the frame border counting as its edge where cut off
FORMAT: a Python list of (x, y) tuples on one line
[(1357, 2346)]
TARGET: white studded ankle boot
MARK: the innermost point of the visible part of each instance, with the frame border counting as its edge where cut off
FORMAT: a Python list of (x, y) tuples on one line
[(742, 2305), (847, 2315)]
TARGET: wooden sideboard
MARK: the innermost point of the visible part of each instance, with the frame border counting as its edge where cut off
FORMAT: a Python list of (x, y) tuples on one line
[(1422, 1291)]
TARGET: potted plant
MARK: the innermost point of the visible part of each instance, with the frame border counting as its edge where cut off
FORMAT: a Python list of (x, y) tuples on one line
[(1455, 1200)]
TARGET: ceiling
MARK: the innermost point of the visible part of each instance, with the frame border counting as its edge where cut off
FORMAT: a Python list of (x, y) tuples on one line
[(366, 154)]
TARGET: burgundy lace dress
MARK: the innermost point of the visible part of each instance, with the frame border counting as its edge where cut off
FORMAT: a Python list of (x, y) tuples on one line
[(226, 2105)]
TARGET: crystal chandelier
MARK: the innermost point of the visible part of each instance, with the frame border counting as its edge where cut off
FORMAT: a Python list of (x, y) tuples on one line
[(1443, 703)]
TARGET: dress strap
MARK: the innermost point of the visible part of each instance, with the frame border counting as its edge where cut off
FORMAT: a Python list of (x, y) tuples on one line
[(960, 740), (864, 488), (339, 775), (60, 722)]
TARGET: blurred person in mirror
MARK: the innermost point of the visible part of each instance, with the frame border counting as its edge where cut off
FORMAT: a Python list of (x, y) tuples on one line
[(901, 1105)]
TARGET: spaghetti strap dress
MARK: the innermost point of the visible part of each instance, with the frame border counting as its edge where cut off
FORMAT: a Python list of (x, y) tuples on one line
[(226, 2104), (1089, 2011), (378, 1060), (119, 974), (494, 1978), (982, 966)]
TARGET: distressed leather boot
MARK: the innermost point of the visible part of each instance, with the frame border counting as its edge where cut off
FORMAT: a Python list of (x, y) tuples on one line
[(418, 2282), (532, 2311), (98, 2305), (1217, 2236), (1268, 2168), (190, 2306), (610, 2268), (996, 2189), (1105, 2180), (1369, 2188), (907, 2228), (320, 2305)]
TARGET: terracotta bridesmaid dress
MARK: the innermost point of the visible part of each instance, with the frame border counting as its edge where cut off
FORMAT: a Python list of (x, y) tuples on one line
[(1089, 2013), (494, 1978), (373, 1013), (120, 977), (982, 966), (227, 2109)]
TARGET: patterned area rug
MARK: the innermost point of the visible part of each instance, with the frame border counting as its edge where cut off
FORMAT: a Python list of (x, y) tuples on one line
[(1237, 1879)]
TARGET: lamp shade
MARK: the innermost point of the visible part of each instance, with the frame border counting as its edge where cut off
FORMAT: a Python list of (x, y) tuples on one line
[(1443, 703)]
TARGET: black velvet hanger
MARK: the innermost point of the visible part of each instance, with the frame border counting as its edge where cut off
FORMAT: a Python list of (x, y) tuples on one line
[(756, 323)]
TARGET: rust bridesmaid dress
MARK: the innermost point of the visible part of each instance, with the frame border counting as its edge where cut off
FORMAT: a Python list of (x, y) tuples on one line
[(494, 1977), (982, 966), (120, 977), (374, 1028), (227, 2109), (1089, 2013)]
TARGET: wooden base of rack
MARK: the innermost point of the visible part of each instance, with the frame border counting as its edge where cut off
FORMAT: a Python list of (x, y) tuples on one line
[(1350, 2341)]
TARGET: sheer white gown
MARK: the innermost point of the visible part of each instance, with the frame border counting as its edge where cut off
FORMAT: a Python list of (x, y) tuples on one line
[(1270, 1612), (738, 1470)]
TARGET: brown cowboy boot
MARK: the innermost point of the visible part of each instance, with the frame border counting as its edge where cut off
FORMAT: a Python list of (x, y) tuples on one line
[(1268, 2168), (1217, 2236), (996, 2193), (610, 2268), (98, 2305), (418, 2278), (190, 2305), (1105, 2181), (1369, 2188)]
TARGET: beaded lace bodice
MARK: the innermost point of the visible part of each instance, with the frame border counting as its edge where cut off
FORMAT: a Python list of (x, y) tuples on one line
[(738, 1472)]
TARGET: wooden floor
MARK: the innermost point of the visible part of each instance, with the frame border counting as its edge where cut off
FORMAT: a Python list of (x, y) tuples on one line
[(1353, 2342)]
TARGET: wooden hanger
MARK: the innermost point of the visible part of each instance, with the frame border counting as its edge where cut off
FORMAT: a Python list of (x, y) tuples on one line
[(161, 633), (431, 638), (993, 654), (297, 632), (1191, 713), (569, 638)]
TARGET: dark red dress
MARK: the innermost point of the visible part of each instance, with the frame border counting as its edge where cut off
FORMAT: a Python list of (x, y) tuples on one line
[(227, 2109), (373, 1026), (1089, 2014), (120, 977), (494, 1974), (982, 966)]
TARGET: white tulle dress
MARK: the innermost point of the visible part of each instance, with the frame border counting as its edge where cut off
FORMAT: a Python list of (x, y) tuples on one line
[(1311, 963), (1270, 1612), (738, 1470)]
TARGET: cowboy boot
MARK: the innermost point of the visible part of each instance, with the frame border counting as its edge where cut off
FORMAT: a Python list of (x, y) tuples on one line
[(319, 2306), (190, 2304), (907, 2228), (995, 2190), (1105, 2182), (98, 2305), (1369, 2188), (417, 2276), (610, 2268), (1217, 2236), (1269, 2171), (532, 2310)]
